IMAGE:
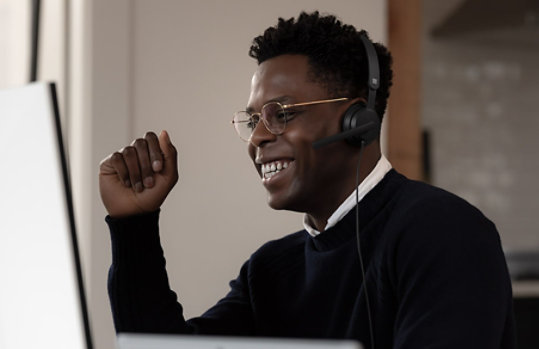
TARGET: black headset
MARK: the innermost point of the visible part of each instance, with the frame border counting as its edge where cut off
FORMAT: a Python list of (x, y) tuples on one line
[(360, 123), (360, 126)]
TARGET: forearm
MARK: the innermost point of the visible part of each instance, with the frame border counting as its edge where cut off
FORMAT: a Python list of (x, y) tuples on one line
[(140, 296)]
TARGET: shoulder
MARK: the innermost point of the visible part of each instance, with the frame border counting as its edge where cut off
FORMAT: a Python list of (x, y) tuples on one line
[(442, 258), (429, 225), (421, 204), (425, 219), (405, 199), (415, 194)]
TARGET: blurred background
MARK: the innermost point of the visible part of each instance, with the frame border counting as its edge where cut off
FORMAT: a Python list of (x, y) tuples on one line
[(462, 116)]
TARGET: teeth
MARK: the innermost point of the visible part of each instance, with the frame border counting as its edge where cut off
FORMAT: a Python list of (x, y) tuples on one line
[(271, 169)]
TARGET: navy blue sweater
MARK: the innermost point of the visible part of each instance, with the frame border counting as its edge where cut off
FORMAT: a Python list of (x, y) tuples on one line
[(435, 274)]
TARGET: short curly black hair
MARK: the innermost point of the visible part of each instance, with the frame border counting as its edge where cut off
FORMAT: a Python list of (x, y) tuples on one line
[(335, 51)]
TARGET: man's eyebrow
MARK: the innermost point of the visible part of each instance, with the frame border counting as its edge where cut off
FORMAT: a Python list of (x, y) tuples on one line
[(280, 99)]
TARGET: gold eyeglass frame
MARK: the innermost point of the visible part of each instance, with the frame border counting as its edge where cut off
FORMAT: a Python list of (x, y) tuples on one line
[(284, 107)]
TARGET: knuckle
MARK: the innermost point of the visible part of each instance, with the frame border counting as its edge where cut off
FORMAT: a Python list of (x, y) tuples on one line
[(150, 135), (129, 150), (116, 158), (140, 143)]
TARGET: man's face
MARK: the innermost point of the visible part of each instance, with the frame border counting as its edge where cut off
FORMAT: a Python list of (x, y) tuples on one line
[(308, 179)]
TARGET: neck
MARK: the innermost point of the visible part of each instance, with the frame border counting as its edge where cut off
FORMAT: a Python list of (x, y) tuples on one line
[(318, 218)]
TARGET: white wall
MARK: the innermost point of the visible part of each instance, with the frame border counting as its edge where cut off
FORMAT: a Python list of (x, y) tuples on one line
[(15, 18), (100, 120), (182, 66), (190, 72)]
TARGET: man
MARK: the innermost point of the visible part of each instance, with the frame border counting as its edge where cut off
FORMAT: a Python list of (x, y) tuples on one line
[(435, 275)]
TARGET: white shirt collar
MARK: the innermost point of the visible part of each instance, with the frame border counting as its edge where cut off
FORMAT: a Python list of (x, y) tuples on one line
[(380, 170)]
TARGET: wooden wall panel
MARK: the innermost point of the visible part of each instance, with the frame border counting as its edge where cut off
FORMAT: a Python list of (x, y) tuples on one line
[(404, 119)]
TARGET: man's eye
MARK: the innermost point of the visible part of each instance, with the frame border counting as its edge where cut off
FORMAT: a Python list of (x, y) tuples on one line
[(286, 115), (282, 116)]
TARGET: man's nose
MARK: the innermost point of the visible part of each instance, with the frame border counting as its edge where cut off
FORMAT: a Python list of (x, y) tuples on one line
[(261, 135)]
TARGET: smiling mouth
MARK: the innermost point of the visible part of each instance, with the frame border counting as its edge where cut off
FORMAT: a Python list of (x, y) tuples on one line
[(270, 169)]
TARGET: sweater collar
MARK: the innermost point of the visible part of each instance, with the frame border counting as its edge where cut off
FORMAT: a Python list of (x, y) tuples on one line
[(375, 176), (372, 204)]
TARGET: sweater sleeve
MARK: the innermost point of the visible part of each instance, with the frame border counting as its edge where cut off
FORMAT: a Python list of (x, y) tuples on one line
[(452, 283), (140, 296)]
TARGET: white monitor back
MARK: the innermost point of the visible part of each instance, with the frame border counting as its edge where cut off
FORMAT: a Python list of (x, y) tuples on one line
[(41, 298)]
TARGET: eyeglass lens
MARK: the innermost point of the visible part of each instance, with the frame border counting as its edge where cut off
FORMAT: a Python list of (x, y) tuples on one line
[(272, 114)]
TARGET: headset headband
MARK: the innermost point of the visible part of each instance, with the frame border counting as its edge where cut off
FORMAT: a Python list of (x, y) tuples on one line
[(374, 71)]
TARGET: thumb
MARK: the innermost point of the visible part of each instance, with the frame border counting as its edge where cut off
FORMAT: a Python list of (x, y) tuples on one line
[(169, 152)]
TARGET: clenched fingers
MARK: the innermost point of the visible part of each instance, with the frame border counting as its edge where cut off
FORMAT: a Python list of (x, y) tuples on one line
[(137, 164), (154, 151), (131, 158), (144, 162), (116, 161)]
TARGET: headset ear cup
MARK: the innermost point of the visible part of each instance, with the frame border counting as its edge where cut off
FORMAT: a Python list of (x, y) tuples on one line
[(357, 115)]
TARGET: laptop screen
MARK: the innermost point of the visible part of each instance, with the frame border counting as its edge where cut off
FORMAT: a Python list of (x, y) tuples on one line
[(41, 300)]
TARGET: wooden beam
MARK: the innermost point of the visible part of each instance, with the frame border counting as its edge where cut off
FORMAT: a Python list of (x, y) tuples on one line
[(404, 120)]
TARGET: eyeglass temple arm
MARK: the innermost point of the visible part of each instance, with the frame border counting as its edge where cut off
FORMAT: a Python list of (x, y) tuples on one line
[(316, 102)]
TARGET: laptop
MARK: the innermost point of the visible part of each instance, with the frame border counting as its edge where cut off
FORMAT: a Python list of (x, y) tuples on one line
[(155, 341), (42, 303)]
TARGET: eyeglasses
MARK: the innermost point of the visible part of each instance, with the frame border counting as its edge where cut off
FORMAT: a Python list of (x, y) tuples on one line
[(274, 115)]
